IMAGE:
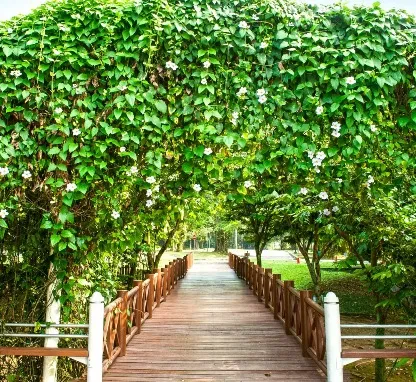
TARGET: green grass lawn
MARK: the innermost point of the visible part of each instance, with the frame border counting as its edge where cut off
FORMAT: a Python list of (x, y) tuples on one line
[(353, 295)]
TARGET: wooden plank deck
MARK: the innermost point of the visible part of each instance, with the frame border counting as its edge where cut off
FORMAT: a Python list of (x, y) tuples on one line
[(212, 328)]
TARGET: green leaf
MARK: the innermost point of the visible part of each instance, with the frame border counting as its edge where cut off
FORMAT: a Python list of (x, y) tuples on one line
[(55, 239), (161, 106), (187, 167), (131, 98), (228, 140), (281, 34)]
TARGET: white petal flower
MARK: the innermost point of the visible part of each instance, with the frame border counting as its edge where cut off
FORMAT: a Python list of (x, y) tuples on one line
[(148, 192), (71, 187), (197, 187), (26, 174), (370, 179), (150, 179), (339, 180), (4, 171), (171, 65), (317, 170), (262, 99), (316, 162), (208, 151), (373, 128), (3, 214), (76, 132), (149, 203), (56, 52), (16, 73), (350, 80), (235, 114), (134, 170), (303, 191), (122, 88), (243, 25), (321, 155), (122, 149), (323, 195), (336, 134), (336, 126), (206, 64), (319, 110), (326, 212), (63, 28), (310, 154), (260, 92), (115, 214), (242, 91), (335, 209), (234, 121), (204, 81), (247, 184), (10, 30), (156, 188), (264, 45), (58, 110), (255, 17)]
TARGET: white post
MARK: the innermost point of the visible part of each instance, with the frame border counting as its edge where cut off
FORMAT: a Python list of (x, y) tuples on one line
[(235, 239), (333, 338), (95, 338)]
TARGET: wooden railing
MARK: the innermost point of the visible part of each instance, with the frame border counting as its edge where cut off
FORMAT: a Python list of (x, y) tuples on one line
[(301, 316), (124, 316)]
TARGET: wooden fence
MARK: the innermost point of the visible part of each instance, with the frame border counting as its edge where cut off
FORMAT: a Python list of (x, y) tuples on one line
[(301, 316), (124, 316)]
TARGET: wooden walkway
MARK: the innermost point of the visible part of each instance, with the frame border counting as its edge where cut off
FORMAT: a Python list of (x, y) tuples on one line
[(212, 328)]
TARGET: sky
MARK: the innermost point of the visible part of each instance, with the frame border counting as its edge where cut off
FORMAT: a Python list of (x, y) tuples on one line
[(10, 8)]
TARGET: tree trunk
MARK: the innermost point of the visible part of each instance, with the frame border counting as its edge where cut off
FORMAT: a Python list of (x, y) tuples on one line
[(53, 315), (380, 364), (258, 253)]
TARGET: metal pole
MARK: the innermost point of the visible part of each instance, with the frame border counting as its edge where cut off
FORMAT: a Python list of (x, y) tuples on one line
[(333, 338), (95, 338), (236, 239)]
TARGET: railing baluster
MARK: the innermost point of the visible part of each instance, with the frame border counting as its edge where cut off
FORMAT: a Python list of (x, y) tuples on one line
[(122, 324)]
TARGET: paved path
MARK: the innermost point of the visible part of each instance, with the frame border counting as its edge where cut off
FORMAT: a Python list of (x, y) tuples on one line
[(212, 328)]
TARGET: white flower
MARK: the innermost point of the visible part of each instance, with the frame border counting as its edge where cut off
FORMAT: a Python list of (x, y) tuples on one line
[(71, 187), (336, 134), (122, 87), (208, 151), (264, 45), (339, 180), (3, 214), (323, 195), (262, 99), (317, 170), (247, 184), (171, 65), (4, 171), (150, 179), (260, 92), (134, 170), (56, 52), (156, 188), (243, 25), (58, 110), (122, 149), (206, 64), (234, 121), (335, 209), (26, 174), (16, 73), (326, 212), (319, 110), (310, 154), (149, 203), (370, 179), (242, 91), (350, 80), (321, 155), (76, 132), (316, 162), (255, 17), (74, 86), (373, 128), (197, 187), (336, 126), (204, 81), (148, 192), (63, 28), (235, 115), (10, 30), (115, 214), (303, 191)]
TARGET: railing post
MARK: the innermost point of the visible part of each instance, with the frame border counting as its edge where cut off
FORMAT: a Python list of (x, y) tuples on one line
[(255, 278), (151, 296), (158, 285), (165, 283), (288, 313), (275, 300), (260, 276), (172, 274), (122, 324), (304, 294), (267, 271), (139, 303), (95, 338), (333, 338)]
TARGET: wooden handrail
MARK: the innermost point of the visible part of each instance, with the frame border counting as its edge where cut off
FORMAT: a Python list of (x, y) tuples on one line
[(124, 317)]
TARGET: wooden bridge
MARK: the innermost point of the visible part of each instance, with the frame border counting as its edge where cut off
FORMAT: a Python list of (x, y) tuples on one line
[(209, 328)]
